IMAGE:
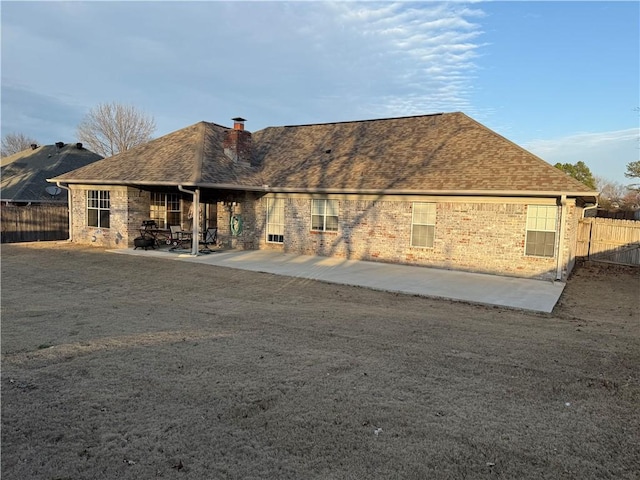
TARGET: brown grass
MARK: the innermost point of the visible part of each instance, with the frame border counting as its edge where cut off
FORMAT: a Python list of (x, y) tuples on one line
[(116, 366)]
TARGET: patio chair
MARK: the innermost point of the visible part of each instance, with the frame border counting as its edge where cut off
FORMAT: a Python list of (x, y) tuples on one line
[(178, 238), (210, 238)]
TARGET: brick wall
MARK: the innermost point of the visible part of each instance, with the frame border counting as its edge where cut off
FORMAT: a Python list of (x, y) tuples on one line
[(248, 207), (129, 207), (237, 145), (487, 237)]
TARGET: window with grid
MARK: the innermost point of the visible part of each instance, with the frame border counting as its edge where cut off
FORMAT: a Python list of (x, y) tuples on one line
[(98, 208), (165, 209), (275, 220), (423, 224), (541, 230), (324, 215)]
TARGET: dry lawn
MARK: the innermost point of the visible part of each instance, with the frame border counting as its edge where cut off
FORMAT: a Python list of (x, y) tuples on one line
[(116, 366)]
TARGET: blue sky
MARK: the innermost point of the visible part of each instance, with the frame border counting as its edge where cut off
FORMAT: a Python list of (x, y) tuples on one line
[(562, 79)]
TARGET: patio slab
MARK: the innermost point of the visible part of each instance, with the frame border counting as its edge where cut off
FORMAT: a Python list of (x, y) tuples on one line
[(518, 293)]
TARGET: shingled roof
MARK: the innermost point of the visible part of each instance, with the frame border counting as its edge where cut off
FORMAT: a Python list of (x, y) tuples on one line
[(441, 152), (24, 174), (190, 156), (448, 153)]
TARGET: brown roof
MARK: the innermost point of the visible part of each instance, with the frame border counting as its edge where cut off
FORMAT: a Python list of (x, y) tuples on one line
[(447, 152), (193, 155)]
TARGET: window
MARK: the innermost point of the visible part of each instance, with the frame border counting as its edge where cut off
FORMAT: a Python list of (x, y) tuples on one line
[(98, 208), (423, 224), (165, 209), (324, 215), (541, 230), (275, 220)]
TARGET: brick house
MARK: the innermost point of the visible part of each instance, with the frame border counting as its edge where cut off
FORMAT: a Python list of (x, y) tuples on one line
[(436, 190)]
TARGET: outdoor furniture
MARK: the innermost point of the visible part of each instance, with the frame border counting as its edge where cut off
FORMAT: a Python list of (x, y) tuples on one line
[(179, 238), (143, 242), (150, 230), (210, 238)]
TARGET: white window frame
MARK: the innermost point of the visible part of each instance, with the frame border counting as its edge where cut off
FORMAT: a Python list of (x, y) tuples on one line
[(321, 211), (421, 219), (163, 204), (275, 220), (98, 201), (542, 220)]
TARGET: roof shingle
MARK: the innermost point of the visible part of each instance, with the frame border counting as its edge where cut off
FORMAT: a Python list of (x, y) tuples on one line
[(440, 152), (446, 152)]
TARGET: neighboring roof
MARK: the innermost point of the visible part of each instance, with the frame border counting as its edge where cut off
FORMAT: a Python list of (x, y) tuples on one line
[(24, 174), (447, 152)]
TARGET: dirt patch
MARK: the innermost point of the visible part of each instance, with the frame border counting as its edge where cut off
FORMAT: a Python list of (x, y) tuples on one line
[(117, 366)]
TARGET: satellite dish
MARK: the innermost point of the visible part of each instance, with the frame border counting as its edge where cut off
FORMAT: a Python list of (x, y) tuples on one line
[(53, 191)]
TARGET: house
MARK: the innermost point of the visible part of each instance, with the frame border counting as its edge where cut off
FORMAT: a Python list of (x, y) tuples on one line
[(437, 190), (32, 208)]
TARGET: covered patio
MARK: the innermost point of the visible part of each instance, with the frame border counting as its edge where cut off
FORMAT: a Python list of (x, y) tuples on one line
[(192, 219)]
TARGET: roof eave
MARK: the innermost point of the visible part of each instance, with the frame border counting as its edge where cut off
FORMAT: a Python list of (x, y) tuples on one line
[(32, 200), (479, 193), (85, 181), (372, 191), (146, 183)]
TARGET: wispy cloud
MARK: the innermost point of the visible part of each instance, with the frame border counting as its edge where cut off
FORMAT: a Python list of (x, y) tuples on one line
[(605, 153), (420, 55), (587, 140), (275, 62)]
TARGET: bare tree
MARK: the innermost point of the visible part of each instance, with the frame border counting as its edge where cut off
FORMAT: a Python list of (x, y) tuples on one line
[(112, 128), (612, 194), (16, 142)]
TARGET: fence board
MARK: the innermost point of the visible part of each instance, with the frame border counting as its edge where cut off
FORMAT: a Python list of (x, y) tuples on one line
[(32, 223), (609, 240)]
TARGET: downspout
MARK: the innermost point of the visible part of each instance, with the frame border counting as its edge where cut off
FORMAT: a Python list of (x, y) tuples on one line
[(591, 225), (589, 208), (563, 231), (69, 202), (195, 235)]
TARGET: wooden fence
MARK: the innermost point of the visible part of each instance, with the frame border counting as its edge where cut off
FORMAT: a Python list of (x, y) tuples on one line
[(609, 240), (32, 223)]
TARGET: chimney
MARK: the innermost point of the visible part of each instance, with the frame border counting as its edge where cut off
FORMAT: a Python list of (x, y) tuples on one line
[(237, 143), (79, 146), (238, 123), (34, 146), (59, 145)]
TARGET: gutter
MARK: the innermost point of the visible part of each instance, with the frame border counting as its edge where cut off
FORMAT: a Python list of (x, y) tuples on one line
[(369, 191), (389, 191), (195, 234), (146, 183), (70, 203), (590, 208)]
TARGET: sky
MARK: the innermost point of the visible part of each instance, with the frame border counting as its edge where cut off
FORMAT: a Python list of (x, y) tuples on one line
[(561, 79)]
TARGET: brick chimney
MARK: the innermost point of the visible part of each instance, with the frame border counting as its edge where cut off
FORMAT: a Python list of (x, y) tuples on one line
[(237, 142)]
